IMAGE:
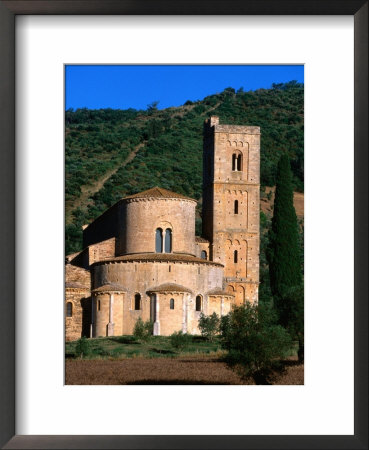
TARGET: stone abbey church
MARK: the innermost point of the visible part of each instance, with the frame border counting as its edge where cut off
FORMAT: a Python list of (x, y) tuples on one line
[(141, 257)]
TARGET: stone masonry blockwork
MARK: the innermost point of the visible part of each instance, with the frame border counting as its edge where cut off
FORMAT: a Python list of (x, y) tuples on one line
[(141, 257)]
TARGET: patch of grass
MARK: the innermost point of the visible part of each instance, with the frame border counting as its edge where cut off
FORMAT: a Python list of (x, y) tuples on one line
[(122, 347)]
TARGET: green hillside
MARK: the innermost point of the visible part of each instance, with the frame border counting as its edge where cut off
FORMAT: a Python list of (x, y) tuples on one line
[(114, 153)]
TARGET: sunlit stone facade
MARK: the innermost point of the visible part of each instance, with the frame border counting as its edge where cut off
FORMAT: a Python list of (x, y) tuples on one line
[(144, 260)]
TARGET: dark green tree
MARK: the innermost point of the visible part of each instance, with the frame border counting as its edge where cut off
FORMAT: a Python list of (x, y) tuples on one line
[(256, 344), (83, 347), (284, 250), (179, 340), (290, 306), (152, 107), (142, 331), (284, 257), (209, 325)]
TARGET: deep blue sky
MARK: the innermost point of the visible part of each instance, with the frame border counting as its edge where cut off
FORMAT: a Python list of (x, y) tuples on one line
[(125, 87)]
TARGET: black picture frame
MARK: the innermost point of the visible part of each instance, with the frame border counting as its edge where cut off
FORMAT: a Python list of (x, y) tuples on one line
[(8, 11)]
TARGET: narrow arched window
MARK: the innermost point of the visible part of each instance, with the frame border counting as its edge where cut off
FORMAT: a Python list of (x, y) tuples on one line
[(236, 206), (98, 305), (168, 240), (198, 303), (235, 256), (204, 255), (137, 302), (239, 163), (159, 240), (69, 309), (171, 303), (234, 161)]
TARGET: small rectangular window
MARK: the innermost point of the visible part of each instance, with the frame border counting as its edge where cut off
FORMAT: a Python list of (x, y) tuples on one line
[(69, 309), (137, 302)]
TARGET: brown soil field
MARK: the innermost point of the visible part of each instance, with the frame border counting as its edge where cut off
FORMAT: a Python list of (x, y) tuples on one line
[(298, 202), (179, 371)]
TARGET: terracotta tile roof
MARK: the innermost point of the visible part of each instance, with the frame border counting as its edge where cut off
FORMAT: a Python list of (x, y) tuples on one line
[(110, 288), (160, 257), (158, 192), (201, 239), (169, 287), (69, 258), (219, 291)]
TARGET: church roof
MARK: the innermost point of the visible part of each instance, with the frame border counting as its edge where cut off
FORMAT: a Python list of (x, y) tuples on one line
[(160, 257), (110, 288), (219, 291), (169, 287), (158, 192)]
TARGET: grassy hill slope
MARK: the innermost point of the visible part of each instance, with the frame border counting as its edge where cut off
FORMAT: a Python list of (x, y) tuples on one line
[(114, 153)]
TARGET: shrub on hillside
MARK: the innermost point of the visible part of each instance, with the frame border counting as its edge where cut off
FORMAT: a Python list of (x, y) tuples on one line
[(83, 347), (179, 340), (255, 343), (209, 325), (143, 330)]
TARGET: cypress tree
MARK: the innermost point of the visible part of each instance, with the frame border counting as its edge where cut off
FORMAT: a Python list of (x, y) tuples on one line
[(283, 250), (284, 258)]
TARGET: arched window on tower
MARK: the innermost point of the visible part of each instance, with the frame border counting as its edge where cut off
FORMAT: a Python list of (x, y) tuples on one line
[(69, 309), (137, 302), (204, 255), (171, 303), (199, 303), (235, 256), (234, 162), (239, 163), (159, 240), (168, 240), (236, 206)]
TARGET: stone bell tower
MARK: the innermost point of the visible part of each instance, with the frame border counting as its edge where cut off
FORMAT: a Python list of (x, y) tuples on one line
[(231, 203)]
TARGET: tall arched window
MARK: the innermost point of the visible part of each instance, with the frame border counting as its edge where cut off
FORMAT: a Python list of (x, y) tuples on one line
[(137, 302), (235, 256), (159, 240), (239, 163), (69, 309), (236, 206), (171, 303), (198, 303), (204, 255), (234, 161), (168, 240)]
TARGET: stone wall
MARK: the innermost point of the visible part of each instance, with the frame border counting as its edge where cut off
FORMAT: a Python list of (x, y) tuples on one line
[(101, 250), (140, 217), (75, 274), (77, 292), (103, 304), (171, 319), (202, 245), (219, 304), (141, 277), (78, 324)]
